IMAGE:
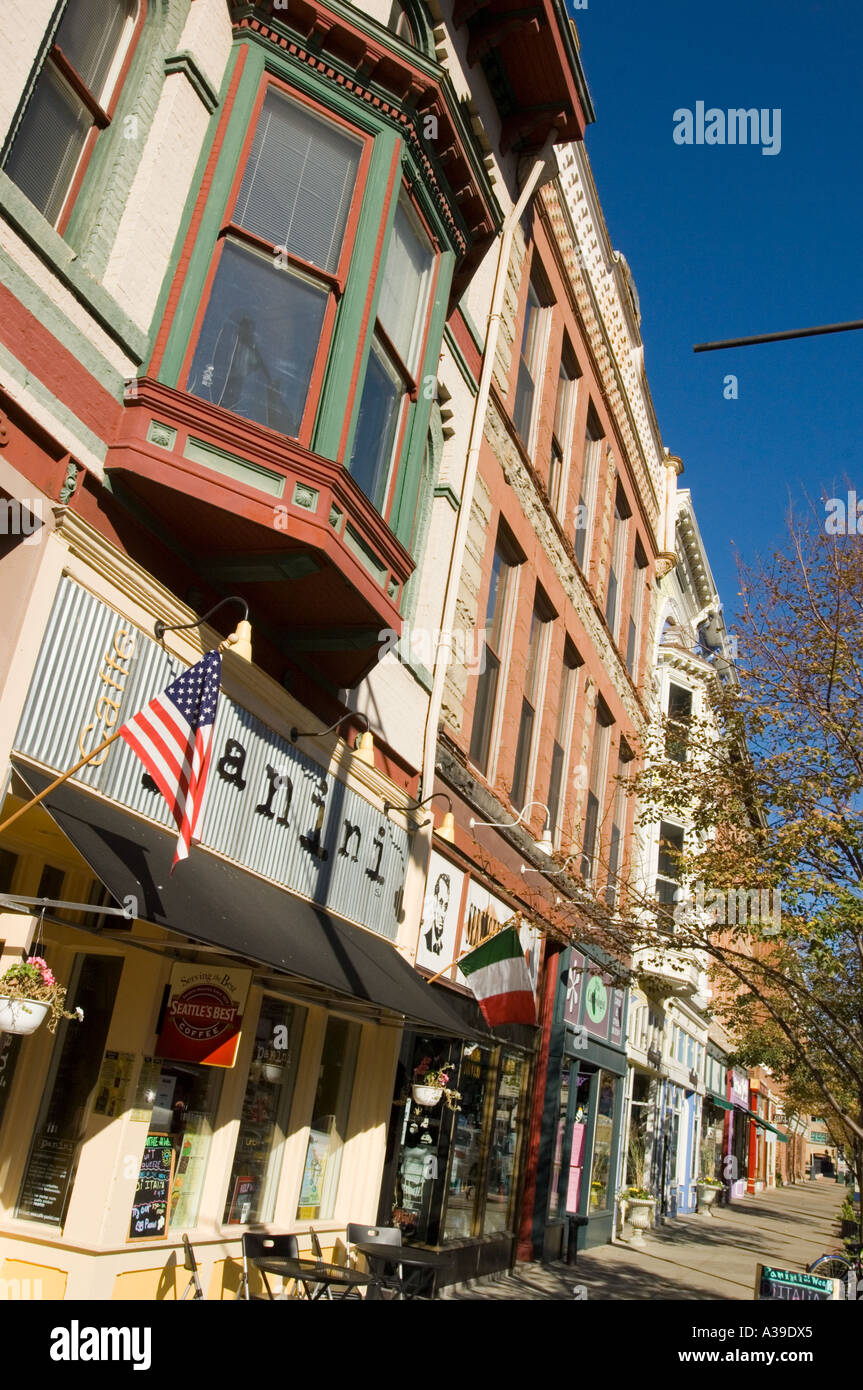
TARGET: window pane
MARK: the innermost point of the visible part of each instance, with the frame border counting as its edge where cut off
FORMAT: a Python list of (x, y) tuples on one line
[(554, 787), (48, 145), (258, 343), (377, 425), (469, 1142), (505, 1143), (523, 412), (329, 1120), (89, 36), (257, 1158), (591, 821), (405, 289), (296, 191), (60, 1127), (601, 1169), (486, 692), (522, 755)]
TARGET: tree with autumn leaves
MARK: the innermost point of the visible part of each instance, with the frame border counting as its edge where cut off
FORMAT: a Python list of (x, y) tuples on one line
[(771, 790), (768, 781)]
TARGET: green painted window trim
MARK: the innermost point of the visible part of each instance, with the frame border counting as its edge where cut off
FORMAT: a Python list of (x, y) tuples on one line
[(335, 388)]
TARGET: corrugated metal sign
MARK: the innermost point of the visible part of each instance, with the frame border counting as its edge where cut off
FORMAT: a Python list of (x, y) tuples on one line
[(267, 806)]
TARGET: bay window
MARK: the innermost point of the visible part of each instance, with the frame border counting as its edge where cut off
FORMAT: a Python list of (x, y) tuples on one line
[(396, 353), (280, 270), (72, 100)]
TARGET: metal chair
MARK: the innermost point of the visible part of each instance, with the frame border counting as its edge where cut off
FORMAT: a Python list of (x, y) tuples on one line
[(380, 1235), (191, 1266), (318, 1253), (258, 1245)]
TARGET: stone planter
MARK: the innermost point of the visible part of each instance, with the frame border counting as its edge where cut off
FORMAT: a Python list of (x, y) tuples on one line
[(639, 1214), (21, 1015), (707, 1195), (426, 1095)]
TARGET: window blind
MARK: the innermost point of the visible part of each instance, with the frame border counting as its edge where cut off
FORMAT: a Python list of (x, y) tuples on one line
[(405, 289), (299, 178), (90, 34)]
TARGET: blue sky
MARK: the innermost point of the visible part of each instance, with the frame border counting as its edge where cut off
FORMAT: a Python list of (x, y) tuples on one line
[(726, 242)]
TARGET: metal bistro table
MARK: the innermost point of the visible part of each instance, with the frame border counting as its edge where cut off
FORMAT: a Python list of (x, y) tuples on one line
[(316, 1277), (415, 1261)]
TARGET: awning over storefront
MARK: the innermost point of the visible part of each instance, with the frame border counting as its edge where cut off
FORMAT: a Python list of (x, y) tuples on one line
[(764, 1124), (216, 903), (717, 1100)]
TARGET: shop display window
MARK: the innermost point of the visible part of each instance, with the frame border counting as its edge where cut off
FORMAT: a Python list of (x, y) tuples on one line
[(424, 1142), (69, 1089), (470, 1144), (555, 1196), (257, 1161), (186, 1097), (508, 1122), (600, 1174), (329, 1121)]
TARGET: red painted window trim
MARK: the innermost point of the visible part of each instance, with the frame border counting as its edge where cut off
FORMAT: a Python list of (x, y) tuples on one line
[(102, 116), (333, 282)]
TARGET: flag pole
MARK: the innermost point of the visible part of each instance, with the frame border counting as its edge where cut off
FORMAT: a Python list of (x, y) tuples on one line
[(490, 937), (4, 825)]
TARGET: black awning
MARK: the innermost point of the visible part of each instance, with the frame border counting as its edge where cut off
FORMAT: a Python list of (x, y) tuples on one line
[(216, 903)]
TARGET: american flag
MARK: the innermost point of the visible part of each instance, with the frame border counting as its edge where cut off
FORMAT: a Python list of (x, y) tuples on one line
[(173, 736)]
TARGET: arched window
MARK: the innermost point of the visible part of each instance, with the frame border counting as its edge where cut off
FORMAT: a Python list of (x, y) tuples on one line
[(72, 99)]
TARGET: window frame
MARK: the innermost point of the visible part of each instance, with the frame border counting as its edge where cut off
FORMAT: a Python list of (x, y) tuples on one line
[(636, 610), (563, 430), (335, 282), (603, 723), (52, 58), (665, 919), (532, 699), (617, 564), (545, 302), (377, 334), (571, 665), (588, 488), (504, 619)]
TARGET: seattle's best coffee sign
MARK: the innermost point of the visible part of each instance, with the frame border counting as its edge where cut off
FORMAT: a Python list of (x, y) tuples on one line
[(268, 807), (204, 1015)]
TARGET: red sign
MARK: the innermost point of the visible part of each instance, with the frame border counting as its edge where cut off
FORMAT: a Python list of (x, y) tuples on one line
[(204, 1015)]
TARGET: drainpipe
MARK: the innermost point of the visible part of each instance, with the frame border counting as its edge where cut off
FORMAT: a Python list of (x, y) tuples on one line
[(469, 483)]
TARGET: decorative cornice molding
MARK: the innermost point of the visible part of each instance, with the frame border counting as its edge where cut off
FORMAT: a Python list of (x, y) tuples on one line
[(186, 64)]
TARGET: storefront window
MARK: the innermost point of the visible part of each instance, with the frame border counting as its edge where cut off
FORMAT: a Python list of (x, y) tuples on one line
[(600, 1173), (423, 1142), (184, 1111), (508, 1124), (71, 1083), (469, 1147), (329, 1121), (554, 1196), (266, 1106)]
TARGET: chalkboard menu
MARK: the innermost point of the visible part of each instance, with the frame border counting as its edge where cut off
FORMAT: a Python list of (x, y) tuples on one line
[(48, 1179), (153, 1191), (787, 1284)]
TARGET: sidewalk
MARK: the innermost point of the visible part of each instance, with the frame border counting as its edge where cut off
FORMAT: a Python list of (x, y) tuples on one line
[(692, 1257)]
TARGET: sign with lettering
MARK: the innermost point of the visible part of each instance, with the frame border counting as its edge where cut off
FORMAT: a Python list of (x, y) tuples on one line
[(787, 1284), (269, 807), (153, 1190), (204, 1015), (50, 1171), (740, 1088)]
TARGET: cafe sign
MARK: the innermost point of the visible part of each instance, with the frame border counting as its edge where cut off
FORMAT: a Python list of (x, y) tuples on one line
[(204, 1015), (268, 807)]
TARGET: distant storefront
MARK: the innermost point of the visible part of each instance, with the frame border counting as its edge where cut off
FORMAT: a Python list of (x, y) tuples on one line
[(452, 1178), (583, 1107)]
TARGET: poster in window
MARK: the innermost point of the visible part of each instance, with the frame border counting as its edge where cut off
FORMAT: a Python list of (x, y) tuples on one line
[(113, 1084), (204, 1015), (437, 943)]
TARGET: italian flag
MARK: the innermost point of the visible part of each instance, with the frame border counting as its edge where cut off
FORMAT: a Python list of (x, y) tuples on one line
[(498, 975)]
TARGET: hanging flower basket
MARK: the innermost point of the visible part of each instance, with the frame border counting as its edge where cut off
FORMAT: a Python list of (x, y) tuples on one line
[(426, 1095), (29, 994), (21, 1015)]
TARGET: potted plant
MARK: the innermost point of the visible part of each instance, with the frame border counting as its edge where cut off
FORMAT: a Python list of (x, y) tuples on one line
[(640, 1206), (29, 993), (430, 1084), (708, 1191)]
